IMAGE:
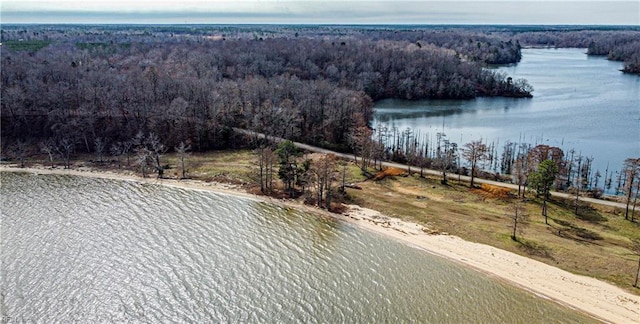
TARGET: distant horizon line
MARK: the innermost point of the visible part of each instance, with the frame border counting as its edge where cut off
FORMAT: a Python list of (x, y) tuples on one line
[(315, 24)]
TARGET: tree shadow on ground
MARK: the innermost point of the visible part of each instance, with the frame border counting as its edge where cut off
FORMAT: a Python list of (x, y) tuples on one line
[(590, 215), (585, 212), (571, 231), (535, 249)]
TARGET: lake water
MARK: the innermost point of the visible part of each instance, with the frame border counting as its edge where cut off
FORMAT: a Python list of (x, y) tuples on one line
[(91, 250), (580, 102)]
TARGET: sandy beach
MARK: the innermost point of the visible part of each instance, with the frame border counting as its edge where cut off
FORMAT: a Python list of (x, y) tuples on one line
[(599, 299)]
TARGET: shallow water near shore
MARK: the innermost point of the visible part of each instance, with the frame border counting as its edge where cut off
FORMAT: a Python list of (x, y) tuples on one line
[(84, 249)]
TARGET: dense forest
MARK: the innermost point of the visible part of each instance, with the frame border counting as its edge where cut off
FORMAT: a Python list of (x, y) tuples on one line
[(111, 83), (100, 88), (617, 45)]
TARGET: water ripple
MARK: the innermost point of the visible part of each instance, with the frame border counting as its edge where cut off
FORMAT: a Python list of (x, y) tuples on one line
[(89, 250)]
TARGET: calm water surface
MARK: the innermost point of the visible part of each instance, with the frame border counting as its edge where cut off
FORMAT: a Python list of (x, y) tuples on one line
[(92, 250), (579, 102)]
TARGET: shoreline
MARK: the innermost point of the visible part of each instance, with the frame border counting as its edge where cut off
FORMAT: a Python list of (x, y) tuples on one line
[(596, 298)]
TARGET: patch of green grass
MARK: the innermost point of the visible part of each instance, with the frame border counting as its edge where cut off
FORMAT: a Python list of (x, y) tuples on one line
[(353, 173), (226, 166), (26, 45)]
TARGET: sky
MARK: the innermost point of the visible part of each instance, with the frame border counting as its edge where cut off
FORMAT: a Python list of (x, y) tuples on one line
[(522, 12)]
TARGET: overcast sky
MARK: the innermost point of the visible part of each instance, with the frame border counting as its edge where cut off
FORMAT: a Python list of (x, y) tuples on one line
[(322, 12)]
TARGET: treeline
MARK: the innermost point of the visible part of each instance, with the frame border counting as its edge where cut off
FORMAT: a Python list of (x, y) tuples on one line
[(472, 45), (478, 43), (536, 169), (511, 162), (617, 45), (90, 86)]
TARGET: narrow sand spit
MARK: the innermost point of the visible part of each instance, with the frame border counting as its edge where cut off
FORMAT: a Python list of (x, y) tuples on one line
[(597, 298)]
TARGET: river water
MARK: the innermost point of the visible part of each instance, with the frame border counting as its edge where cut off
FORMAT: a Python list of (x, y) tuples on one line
[(92, 250), (580, 102)]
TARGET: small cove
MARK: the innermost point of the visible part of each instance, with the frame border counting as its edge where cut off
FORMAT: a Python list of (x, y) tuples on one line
[(580, 102)]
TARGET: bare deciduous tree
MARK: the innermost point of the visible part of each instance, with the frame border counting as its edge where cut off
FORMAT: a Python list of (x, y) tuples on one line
[(474, 152), (19, 151), (266, 160), (49, 147), (262, 168), (579, 183), (325, 174), (149, 150), (635, 200), (156, 150), (126, 148), (520, 218), (446, 153), (362, 144), (182, 149), (520, 175), (270, 161), (522, 169), (99, 145), (343, 164), (65, 147), (635, 247), (116, 151), (142, 160), (631, 173)]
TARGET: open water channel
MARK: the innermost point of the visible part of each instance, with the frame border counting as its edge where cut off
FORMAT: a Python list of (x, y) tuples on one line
[(91, 250), (580, 102)]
